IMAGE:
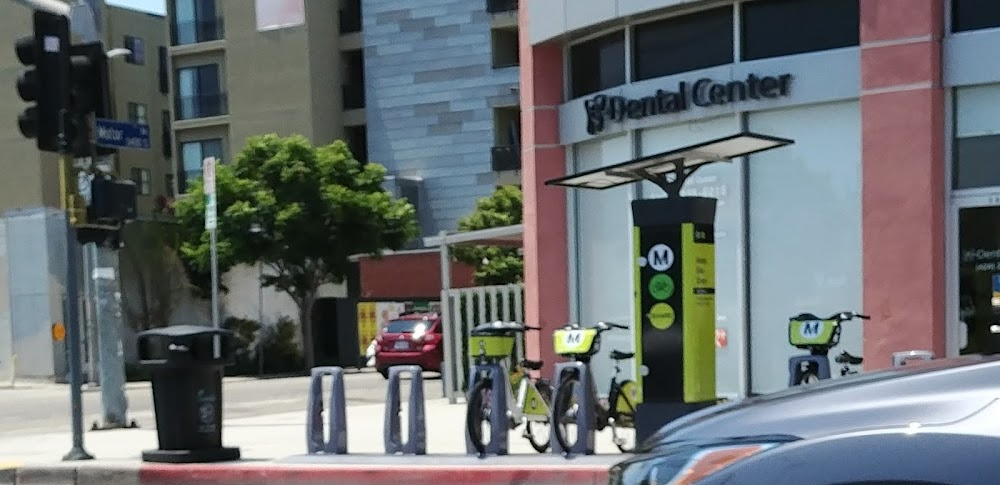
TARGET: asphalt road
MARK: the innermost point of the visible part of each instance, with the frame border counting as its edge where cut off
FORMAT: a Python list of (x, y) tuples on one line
[(45, 407)]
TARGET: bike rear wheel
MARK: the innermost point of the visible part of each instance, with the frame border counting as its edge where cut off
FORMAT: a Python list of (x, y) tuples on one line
[(564, 411), (477, 414), (535, 437)]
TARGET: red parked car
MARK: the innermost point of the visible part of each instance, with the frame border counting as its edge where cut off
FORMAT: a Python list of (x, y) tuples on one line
[(413, 339)]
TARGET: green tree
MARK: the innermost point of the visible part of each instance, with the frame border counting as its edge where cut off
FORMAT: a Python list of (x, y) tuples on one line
[(494, 265), (313, 208)]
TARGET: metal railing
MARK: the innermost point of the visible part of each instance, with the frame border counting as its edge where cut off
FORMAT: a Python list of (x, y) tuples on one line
[(505, 158), (354, 96), (197, 31), (201, 106), (500, 6)]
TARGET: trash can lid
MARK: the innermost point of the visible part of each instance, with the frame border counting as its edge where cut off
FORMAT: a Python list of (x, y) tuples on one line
[(182, 331)]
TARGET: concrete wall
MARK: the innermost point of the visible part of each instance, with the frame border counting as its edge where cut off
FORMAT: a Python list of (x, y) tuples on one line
[(549, 19), (430, 92)]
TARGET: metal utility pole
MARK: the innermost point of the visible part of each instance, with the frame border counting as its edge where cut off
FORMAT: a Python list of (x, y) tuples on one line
[(211, 223), (90, 322), (111, 359)]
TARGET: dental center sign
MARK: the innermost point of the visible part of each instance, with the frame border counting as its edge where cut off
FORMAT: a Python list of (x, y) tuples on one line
[(703, 93)]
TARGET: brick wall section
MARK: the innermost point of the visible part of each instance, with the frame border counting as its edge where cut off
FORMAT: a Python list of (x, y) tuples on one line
[(409, 276), (546, 267), (430, 92), (902, 112)]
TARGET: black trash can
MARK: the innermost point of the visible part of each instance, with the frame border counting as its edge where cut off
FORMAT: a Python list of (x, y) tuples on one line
[(187, 364)]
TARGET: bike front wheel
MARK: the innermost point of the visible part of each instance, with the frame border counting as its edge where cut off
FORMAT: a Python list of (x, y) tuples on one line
[(565, 410), (540, 433), (477, 415)]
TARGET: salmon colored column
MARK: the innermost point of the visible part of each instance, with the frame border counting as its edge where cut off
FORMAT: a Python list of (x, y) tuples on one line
[(546, 269), (903, 192)]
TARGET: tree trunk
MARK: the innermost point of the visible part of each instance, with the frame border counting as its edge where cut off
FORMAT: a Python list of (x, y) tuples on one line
[(306, 329)]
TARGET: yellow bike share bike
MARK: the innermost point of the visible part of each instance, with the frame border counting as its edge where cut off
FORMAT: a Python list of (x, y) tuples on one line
[(521, 398), (571, 400)]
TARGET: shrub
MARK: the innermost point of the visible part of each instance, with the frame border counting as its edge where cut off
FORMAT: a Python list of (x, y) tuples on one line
[(245, 333), (281, 353)]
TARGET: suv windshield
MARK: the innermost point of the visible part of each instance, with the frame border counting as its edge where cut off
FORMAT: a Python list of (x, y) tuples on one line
[(405, 326)]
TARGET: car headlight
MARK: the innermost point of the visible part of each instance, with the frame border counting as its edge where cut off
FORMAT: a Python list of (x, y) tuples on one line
[(683, 464)]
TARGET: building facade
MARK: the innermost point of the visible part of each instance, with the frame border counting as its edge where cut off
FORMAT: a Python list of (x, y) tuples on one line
[(887, 203), (239, 69), (32, 179), (442, 101)]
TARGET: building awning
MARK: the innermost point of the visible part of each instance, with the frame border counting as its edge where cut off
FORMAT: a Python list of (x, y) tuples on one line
[(506, 236), (680, 162)]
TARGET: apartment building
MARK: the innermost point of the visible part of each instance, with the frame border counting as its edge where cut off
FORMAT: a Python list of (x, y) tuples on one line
[(31, 178), (442, 101), (240, 68)]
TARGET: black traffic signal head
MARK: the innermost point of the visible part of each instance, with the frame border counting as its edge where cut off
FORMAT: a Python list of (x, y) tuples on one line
[(44, 81), (89, 95), (112, 201)]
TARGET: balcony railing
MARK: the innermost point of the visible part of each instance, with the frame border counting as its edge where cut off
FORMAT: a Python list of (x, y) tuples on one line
[(354, 96), (505, 158), (350, 20), (500, 6), (197, 31), (201, 106)]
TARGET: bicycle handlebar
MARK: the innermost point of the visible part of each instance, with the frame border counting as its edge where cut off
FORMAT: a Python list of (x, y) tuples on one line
[(529, 327), (846, 316)]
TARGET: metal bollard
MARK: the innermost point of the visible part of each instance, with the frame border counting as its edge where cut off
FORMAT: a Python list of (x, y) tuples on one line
[(416, 439), (899, 359), (585, 418), (499, 421), (336, 423)]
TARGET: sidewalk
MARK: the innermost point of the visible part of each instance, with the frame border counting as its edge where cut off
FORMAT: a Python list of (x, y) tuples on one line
[(272, 447)]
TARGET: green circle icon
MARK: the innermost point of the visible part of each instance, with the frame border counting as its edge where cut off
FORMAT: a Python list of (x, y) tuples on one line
[(661, 316), (661, 286)]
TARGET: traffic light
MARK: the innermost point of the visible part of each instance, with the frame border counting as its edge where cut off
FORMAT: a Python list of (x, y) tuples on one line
[(89, 95), (112, 202), (44, 80)]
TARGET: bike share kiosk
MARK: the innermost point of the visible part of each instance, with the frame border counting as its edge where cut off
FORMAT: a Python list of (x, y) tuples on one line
[(674, 257)]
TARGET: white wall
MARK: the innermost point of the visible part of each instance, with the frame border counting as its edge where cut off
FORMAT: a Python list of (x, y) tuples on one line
[(548, 19), (805, 231), (604, 271), (722, 181)]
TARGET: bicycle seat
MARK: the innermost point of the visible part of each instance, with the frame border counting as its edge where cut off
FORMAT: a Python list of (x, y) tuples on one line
[(845, 358), (532, 364), (617, 355), (497, 328)]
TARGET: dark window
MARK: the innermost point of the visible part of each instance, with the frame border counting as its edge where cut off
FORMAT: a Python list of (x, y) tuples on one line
[(168, 184), (976, 162), (164, 83), (685, 43), (195, 21), (974, 15), (192, 154), (137, 46), (597, 64), (199, 92), (350, 17), (168, 150), (137, 113), (773, 28), (141, 178), (504, 43)]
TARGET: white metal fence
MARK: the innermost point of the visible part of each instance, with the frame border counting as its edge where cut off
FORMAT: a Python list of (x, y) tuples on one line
[(462, 309)]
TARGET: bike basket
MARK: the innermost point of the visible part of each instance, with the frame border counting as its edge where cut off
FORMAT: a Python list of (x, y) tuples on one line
[(576, 341), (491, 345), (804, 334)]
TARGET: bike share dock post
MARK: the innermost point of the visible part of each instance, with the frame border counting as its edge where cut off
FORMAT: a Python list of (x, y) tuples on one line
[(416, 435), (585, 419), (900, 359), (336, 423), (499, 424)]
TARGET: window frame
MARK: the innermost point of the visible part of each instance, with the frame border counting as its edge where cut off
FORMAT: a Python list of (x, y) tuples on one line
[(183, 172), (134, 109), (568, 56), (143, 179), (633, 53), (137, 47)]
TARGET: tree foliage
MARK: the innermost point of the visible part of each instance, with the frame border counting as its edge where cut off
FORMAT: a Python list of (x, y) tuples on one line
[(494, 265), (312, 208), (150, 264)]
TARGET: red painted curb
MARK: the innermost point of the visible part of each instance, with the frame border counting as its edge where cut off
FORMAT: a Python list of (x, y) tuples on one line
[(371, 475)]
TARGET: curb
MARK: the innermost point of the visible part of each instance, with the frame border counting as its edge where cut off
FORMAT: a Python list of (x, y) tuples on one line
[(272, 474)]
